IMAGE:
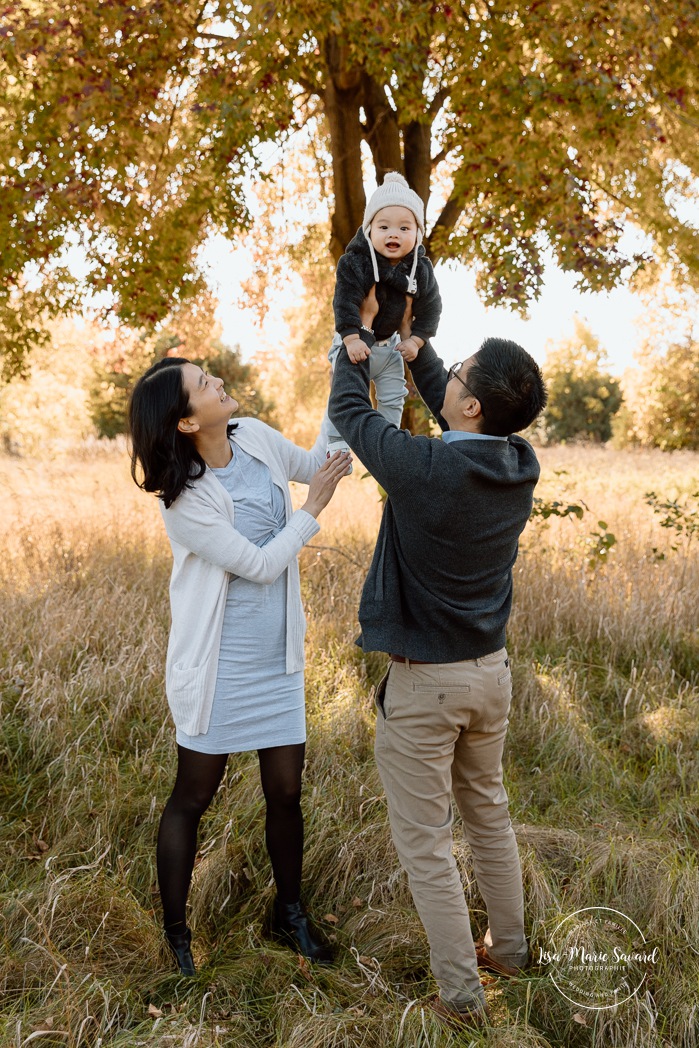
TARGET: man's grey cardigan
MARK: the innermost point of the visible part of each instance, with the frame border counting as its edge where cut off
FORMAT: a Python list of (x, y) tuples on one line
[(439, 588)]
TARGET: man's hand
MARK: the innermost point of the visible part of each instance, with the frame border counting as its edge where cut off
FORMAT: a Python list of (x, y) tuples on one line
[(357, 350), (369, 308), (408, 348)]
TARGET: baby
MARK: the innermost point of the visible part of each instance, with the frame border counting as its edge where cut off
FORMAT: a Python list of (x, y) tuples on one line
[(387, 252)]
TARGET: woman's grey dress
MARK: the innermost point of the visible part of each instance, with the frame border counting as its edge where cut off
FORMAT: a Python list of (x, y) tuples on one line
[(256, 703)]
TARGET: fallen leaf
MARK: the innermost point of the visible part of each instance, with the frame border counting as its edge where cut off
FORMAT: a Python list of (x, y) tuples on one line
[(331, 918), (356, 901), (155, 1013), (578, 1018), (42, 845)]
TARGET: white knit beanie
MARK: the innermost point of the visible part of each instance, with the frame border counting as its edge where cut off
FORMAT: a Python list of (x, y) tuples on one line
[(395, 192)]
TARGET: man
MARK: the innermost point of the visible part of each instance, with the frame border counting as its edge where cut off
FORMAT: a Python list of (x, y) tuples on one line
[(437, 598)]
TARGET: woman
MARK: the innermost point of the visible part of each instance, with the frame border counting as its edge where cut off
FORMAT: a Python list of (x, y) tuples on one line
[(234, 673)]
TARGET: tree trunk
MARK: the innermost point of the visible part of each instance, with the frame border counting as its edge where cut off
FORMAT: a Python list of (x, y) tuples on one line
[(382, 133), (346, 91), (417, 146), (342, 99), (417, 141)]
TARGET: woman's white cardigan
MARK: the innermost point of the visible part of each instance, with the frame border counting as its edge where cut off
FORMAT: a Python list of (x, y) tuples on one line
[(207, 550)]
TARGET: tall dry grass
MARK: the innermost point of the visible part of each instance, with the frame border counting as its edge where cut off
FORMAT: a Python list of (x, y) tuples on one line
[(602, 771)]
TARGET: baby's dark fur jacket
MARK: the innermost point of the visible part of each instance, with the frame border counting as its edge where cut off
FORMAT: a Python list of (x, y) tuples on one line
[(355, 278)]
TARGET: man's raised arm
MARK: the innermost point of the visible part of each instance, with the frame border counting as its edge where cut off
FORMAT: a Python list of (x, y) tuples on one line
[(430, 378), (384, 450)]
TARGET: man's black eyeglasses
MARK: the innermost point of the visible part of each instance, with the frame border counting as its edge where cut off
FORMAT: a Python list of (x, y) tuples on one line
[(454, 373)]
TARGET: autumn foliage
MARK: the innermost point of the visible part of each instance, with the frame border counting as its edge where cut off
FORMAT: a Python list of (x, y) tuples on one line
[(129, 132)]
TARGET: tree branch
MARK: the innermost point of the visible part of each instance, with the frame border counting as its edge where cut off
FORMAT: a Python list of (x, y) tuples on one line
[(173, 112), (309, 87), (450, 215), (217, 36), (336, 549), (438, 101), (677, 115), (439, 157)]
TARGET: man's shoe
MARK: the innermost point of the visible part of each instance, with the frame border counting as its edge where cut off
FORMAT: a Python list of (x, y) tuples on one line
[(289, 924), (180, 945), (492, 965), (456, 1018)]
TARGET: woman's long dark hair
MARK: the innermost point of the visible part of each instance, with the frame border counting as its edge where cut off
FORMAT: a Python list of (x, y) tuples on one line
[(168, 459)]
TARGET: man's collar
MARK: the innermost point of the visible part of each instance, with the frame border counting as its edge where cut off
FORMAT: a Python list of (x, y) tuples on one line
[(450, 435)]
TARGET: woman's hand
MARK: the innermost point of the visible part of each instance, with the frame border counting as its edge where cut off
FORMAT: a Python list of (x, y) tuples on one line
[(323, 483)]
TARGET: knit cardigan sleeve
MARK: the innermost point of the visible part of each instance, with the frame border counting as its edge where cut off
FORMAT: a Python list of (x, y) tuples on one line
[(297, 463), (199, 522), (430, 378), (427, 306), (394, 457), (202, 519)]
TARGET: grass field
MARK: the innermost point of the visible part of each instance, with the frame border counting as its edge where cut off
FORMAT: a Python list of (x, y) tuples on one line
[(602, 769)]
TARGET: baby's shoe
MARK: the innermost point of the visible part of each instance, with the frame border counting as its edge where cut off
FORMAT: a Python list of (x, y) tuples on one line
[(336, 444)]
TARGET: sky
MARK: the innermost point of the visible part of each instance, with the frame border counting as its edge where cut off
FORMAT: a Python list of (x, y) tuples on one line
[(465, 321)]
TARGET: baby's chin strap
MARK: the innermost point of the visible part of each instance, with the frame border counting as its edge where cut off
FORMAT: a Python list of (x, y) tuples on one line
[(374, 263), (412, 281)]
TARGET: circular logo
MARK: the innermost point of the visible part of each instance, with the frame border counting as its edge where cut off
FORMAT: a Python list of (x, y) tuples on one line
[(598, 957)]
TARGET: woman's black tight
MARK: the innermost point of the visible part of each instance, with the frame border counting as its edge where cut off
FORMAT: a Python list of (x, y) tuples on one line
[(198, 778), (280, 773)]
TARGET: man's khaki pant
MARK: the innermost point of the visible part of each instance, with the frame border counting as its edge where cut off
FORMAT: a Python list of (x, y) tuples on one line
[(441, 728)]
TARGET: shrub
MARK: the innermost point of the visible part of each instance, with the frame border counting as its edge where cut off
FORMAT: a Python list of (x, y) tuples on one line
[(583, 397), (666, 406), (116, 372)]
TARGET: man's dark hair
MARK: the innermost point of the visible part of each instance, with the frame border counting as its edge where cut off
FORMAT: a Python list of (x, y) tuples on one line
[(509, 385)]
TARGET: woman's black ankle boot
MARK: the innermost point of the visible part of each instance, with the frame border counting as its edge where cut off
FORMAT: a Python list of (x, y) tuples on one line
[(181, 948), (290, 925)]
